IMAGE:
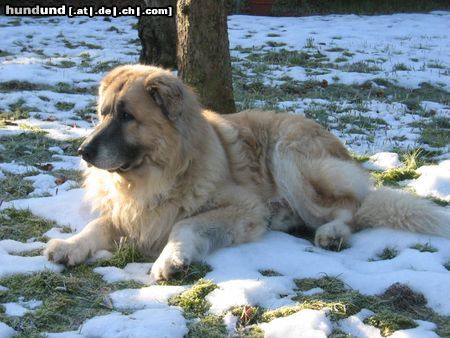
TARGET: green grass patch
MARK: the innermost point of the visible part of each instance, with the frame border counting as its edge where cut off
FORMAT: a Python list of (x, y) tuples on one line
[(192, 301), (340, 59), (104, 66), (17, 111), (275, 44), (361, 121), (67, 88), (427, 247), (335, 49), (388, 322), (14, 187), (21, 225), (395, 175), (310, 59), (360, 67), (64, 106), (16, 85), (126, 252), (32, 148), (68, 300), (436, 132), (400, 67), (270, 273), (360, 158), (192, 274), (208, 326), (399, 303), (62, 64), (319, 114), (4, 53), (386, 254)]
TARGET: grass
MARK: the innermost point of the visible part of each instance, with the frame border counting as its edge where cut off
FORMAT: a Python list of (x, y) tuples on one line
[(14, 187), (400, 67), (435, 132), (126, 252), (21, 225), (64, 106), (192, 274), (424, 247), (270, 273), (386, 254), (389, 322), (68, 300), (32, 148), (192, 301), (360, 67), (17, 111), (208, 326), (393, 176)]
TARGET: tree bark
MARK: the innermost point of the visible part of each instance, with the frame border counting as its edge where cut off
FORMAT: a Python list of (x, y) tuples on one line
[(203, 52), (158, 35)]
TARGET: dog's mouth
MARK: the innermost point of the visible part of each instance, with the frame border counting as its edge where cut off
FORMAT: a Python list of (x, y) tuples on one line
[(129, 166)]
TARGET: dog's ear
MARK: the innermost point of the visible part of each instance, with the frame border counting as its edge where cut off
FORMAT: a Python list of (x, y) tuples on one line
[(167, 92)]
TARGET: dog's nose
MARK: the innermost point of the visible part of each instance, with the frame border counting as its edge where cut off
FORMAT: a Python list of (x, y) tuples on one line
[(87, 152)]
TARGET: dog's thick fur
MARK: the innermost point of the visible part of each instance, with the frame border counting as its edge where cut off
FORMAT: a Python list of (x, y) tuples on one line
[(180, 181)]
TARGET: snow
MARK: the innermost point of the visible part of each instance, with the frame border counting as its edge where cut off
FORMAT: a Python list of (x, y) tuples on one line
[(6, 331), (355, 326), (303, 324), (153, 296), (12, 265), (19, 309), (18, 169), (137, 272), (383, 161), (45, 184), (58, 208), (149, 323), (434, 181), (241, 284), (14, 247)]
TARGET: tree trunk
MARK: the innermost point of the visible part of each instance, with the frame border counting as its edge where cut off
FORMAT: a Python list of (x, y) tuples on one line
[(158, 35), (203, 54)]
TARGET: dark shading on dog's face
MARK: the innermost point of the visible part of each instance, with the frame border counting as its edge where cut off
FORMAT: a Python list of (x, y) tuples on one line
[(107, 146), (137, 116)]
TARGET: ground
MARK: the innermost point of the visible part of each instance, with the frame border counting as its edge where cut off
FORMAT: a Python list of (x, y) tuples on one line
[(380, 83)]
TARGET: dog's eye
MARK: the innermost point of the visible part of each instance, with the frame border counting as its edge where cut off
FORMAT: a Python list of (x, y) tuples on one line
[(125, 116)]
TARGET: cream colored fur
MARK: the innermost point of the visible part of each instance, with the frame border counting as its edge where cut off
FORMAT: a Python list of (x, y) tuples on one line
[(208, 181)]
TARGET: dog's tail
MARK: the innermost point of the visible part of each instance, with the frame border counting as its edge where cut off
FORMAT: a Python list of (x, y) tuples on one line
[(400, 210)]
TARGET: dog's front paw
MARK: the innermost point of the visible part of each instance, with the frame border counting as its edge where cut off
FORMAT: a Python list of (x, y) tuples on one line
[(333, 236), (167, 265), (65, 252)]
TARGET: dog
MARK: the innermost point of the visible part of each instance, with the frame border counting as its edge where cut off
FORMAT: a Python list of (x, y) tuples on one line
[(180, 181)]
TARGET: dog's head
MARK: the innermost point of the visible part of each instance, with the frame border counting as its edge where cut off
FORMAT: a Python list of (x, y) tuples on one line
[(142, 110)]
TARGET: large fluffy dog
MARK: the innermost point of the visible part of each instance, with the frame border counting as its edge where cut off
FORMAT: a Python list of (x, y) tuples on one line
[(180, 181)]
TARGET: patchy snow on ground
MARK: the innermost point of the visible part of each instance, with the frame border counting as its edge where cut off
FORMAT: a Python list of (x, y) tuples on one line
[(434, 181), (20, 308), (149, 323), (383, 161), (64, 59), (6, 331), (137, 272), (305, 323)]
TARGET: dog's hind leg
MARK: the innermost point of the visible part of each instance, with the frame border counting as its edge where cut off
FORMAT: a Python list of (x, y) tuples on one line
[(193, 238), (325, 192)]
